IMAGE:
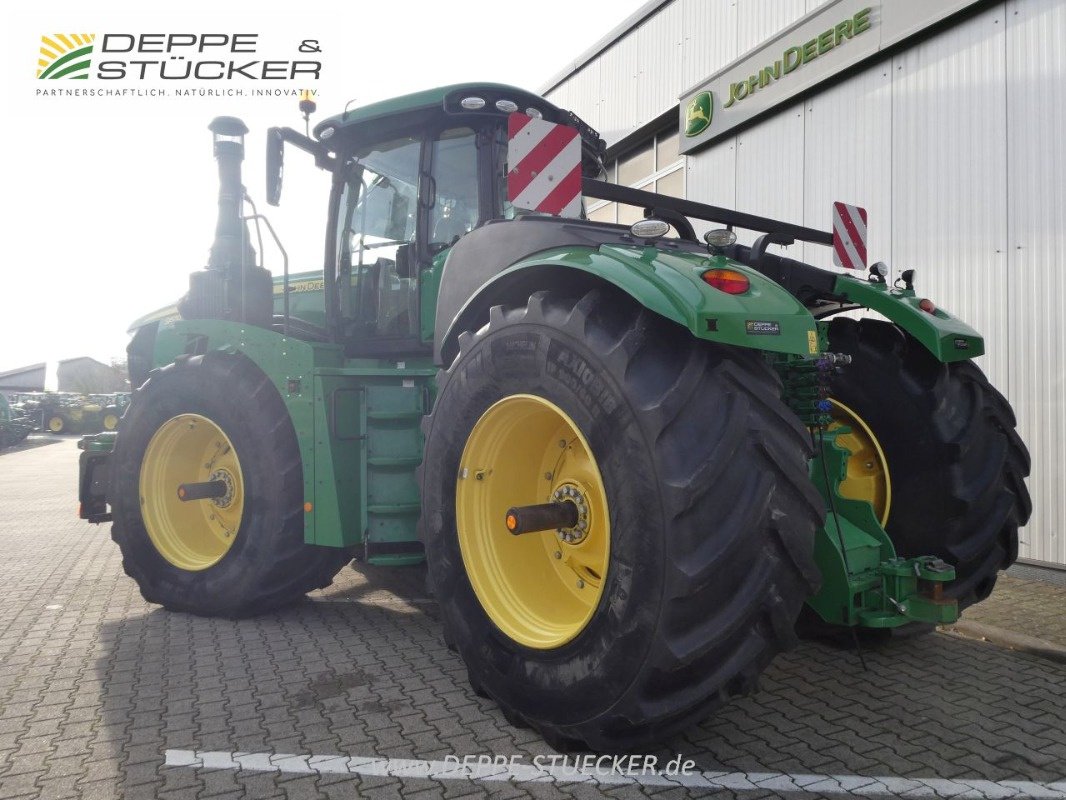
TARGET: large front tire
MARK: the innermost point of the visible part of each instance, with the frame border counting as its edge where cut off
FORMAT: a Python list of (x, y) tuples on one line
[(708, 517), (956, 464), (213, 418)]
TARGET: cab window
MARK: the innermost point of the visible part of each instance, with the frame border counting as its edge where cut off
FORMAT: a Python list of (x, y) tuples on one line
[(454, 210), (376, 232)]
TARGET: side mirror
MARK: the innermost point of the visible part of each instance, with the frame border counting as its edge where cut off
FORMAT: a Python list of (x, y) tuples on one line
[(275, 166)]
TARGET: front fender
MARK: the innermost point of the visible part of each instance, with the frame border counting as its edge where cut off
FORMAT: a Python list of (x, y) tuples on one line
[(766, 317)]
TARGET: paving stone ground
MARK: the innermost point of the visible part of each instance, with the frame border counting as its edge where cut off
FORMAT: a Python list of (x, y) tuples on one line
[(96, 684), (1032, 607)]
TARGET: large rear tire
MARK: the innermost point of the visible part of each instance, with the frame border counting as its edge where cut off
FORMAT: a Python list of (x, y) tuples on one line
[(956, 464), (213, 418), (706, 518)]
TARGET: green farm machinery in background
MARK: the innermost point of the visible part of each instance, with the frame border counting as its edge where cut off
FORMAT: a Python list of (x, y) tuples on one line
[(631, 458), (14, 425), (72, 412)]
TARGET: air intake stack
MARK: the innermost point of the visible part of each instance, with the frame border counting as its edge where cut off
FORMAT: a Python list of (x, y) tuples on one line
[(231, 287)]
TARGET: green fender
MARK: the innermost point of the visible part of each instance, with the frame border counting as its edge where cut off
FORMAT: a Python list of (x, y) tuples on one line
[(766, 317), (945, 336)]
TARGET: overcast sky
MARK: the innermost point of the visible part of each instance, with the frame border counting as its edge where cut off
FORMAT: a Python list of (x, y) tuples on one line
[(109, 203)]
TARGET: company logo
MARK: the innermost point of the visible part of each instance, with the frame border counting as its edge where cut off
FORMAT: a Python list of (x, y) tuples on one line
[(65, 55), (173, 57), (698, 114), (795, 57)]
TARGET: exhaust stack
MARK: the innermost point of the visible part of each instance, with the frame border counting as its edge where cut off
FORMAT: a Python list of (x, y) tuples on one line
[(231, 286)]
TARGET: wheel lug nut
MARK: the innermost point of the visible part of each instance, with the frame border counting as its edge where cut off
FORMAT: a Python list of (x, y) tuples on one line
[(580, 584), (558, 554)]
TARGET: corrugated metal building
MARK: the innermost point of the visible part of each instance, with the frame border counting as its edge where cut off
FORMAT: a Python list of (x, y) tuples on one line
[(944, 118)]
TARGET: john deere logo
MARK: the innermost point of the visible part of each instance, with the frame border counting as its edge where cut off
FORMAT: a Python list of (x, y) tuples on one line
[(65, 55), (698, 114)]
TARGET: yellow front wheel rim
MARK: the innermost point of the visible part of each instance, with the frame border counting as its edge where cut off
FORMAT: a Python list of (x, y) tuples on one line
[(55, 424), (868, 477), (192, 535), (541, 589), (110, 422)]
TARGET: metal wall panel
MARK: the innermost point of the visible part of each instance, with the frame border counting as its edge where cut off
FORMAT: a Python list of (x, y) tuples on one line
[(709, 39), (949, 175), (758, 20), (712, 178), (583, 94), (848, 157), (659, 43), (619, 89), (770, 170), (1036, 168)]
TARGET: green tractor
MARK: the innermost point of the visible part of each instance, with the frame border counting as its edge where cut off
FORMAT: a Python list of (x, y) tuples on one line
[(629, 457), (14, 425), (108, 409), (62, 412)]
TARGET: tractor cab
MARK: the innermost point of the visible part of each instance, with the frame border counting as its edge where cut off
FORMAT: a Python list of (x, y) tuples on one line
[(411, 176)]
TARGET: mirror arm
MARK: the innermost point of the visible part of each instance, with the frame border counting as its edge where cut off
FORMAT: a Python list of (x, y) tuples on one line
[(275, 152), (322, 157)]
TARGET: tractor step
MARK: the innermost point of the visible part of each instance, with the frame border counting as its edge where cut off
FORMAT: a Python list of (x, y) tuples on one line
[(392, 451)]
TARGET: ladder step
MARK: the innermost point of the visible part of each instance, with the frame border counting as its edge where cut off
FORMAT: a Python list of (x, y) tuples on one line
[(386, 461), (393, 415), (395, 509)]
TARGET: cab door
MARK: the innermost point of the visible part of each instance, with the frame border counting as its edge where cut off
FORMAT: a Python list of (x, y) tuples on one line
[(404, 201)]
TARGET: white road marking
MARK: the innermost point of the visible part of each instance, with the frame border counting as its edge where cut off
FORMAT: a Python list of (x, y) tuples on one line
[(833, 785)]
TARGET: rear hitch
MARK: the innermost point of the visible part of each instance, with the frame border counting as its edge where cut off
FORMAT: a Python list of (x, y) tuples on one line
[(864, 582)]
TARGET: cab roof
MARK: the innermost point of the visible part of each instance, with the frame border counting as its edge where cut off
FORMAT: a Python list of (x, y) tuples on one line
[(447, 100)]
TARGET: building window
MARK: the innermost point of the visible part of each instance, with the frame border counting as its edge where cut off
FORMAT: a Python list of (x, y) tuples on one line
[(654, 166)]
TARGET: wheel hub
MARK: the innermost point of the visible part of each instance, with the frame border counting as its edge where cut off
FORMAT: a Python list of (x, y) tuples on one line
[(572, 493), (227, 499)]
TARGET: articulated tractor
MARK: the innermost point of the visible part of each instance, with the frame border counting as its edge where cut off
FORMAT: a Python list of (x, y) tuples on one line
[(632, 458)]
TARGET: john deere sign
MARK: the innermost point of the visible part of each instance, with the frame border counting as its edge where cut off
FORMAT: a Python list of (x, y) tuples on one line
[(698, 115), (838, 35), (796, 56)]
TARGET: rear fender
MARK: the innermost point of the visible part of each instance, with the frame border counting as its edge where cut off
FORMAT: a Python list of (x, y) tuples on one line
[(766, 317), (945, 336)]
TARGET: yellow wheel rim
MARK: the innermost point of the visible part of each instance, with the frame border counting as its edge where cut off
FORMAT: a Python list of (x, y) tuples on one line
[(868, 478), (195, 534), (110, 422), (541, 589), (55, 424)]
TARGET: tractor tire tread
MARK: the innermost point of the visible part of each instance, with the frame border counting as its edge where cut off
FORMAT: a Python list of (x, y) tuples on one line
[(973, 464), (730, 605), (286, 570)]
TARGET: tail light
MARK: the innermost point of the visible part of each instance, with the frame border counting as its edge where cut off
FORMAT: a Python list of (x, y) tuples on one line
[(727, 280), (927, 305)]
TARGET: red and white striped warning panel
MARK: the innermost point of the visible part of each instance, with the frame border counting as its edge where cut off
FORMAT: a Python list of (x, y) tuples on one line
[(543, 166), (849, 236)]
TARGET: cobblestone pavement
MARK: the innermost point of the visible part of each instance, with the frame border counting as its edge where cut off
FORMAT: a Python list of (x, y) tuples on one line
[(1032, 607), (96, 685)]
